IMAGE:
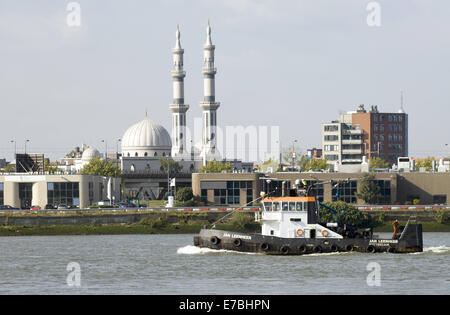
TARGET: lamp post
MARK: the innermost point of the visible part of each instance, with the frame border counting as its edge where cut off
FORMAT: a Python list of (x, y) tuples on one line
[(26, 145), (117, 148), (15, 147), (448, 157), (293, 152), (106, 149)]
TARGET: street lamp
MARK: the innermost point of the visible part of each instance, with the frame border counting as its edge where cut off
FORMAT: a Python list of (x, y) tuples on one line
[(26, 145), (106, 149), (117, 148), (15, 147), (293, 152)]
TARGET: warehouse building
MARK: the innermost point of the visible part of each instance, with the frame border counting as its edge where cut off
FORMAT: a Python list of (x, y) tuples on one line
[(395, 188)]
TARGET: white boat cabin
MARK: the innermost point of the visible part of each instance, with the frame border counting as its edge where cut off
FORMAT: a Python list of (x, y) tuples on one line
[(292, 217)]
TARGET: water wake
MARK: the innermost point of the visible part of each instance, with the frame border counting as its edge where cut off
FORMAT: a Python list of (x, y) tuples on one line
[(434, 249), (194, 250)]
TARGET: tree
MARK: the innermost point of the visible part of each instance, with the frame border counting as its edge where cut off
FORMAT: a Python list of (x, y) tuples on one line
[(97, 166), (316, 164), (216, 167), (184, 194), (346, 214), (299, 159), (426, 163), (368, 189), (378, 162), (170, 163), (185, 198), (51, 169), (10, 168)]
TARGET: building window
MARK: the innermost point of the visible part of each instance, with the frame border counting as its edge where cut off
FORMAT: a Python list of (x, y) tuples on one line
[(136, 154), (25, 195), (330, 128), (145, 154), (232, 194), (331, 138), (63, 193), (385, 191), (1, 194), (344, 191), (204, 195), (156, 154), (332, 157), (91, 192)]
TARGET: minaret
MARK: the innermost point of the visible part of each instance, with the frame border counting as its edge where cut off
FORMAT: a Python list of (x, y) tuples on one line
[(178, 107), (209, 104)]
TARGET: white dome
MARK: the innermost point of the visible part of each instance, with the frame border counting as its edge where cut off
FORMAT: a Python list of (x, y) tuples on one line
[(89, 154), (146, 138)]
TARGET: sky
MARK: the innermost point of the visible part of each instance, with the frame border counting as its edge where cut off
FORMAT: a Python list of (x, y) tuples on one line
[(292, 64)]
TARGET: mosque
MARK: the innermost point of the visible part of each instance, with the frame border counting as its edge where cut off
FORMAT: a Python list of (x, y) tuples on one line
[(146, 142)]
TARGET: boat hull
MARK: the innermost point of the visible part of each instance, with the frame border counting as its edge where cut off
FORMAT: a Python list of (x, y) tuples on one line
[(409, 242)]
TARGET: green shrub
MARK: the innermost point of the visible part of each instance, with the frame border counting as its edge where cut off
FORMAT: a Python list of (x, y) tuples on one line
[(242, 221), (154, 223), (347, 214), (441, 216)]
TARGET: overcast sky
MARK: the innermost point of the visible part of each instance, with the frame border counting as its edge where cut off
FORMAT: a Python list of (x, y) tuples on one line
[(293, 64)]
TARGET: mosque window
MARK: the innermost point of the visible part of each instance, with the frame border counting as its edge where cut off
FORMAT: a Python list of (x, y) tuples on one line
[(128, 154), (164, 153), (156, 154), (145, 154), (135, 154)]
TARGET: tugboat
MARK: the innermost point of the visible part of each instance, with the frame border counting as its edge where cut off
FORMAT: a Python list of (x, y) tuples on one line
[(290, 226)]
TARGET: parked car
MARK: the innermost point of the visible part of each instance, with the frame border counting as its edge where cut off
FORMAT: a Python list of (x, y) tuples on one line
[(63, 207), (7, 207), (35, 208), (50, 207)]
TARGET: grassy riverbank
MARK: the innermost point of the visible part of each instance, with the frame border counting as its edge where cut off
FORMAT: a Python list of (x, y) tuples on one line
[(114, 229)]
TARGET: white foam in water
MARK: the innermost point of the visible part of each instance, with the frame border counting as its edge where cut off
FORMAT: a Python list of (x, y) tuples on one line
[(435, 249), (194, 250)]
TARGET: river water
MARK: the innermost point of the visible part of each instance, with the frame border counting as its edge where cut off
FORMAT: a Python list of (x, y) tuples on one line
[(169, 264)]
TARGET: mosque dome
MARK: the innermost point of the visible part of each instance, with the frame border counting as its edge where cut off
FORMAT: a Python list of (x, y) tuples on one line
[(89, 153), (146, 139)]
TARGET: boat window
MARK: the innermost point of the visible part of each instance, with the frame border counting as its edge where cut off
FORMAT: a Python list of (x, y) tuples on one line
[(276, 206), (299, 206), (291, 206), (268, 206), (284, 206)]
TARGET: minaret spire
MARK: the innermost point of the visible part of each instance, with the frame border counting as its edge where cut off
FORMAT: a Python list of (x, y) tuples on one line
[(178, 107), (209, 104)]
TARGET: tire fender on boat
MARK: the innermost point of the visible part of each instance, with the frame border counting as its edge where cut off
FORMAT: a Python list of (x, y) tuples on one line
[(391, 250), (264, 246), (334, 248), (214, 240), (317, 249), (285, 249), (349, 247), (237, 242), (302, 249), (371, 249)]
